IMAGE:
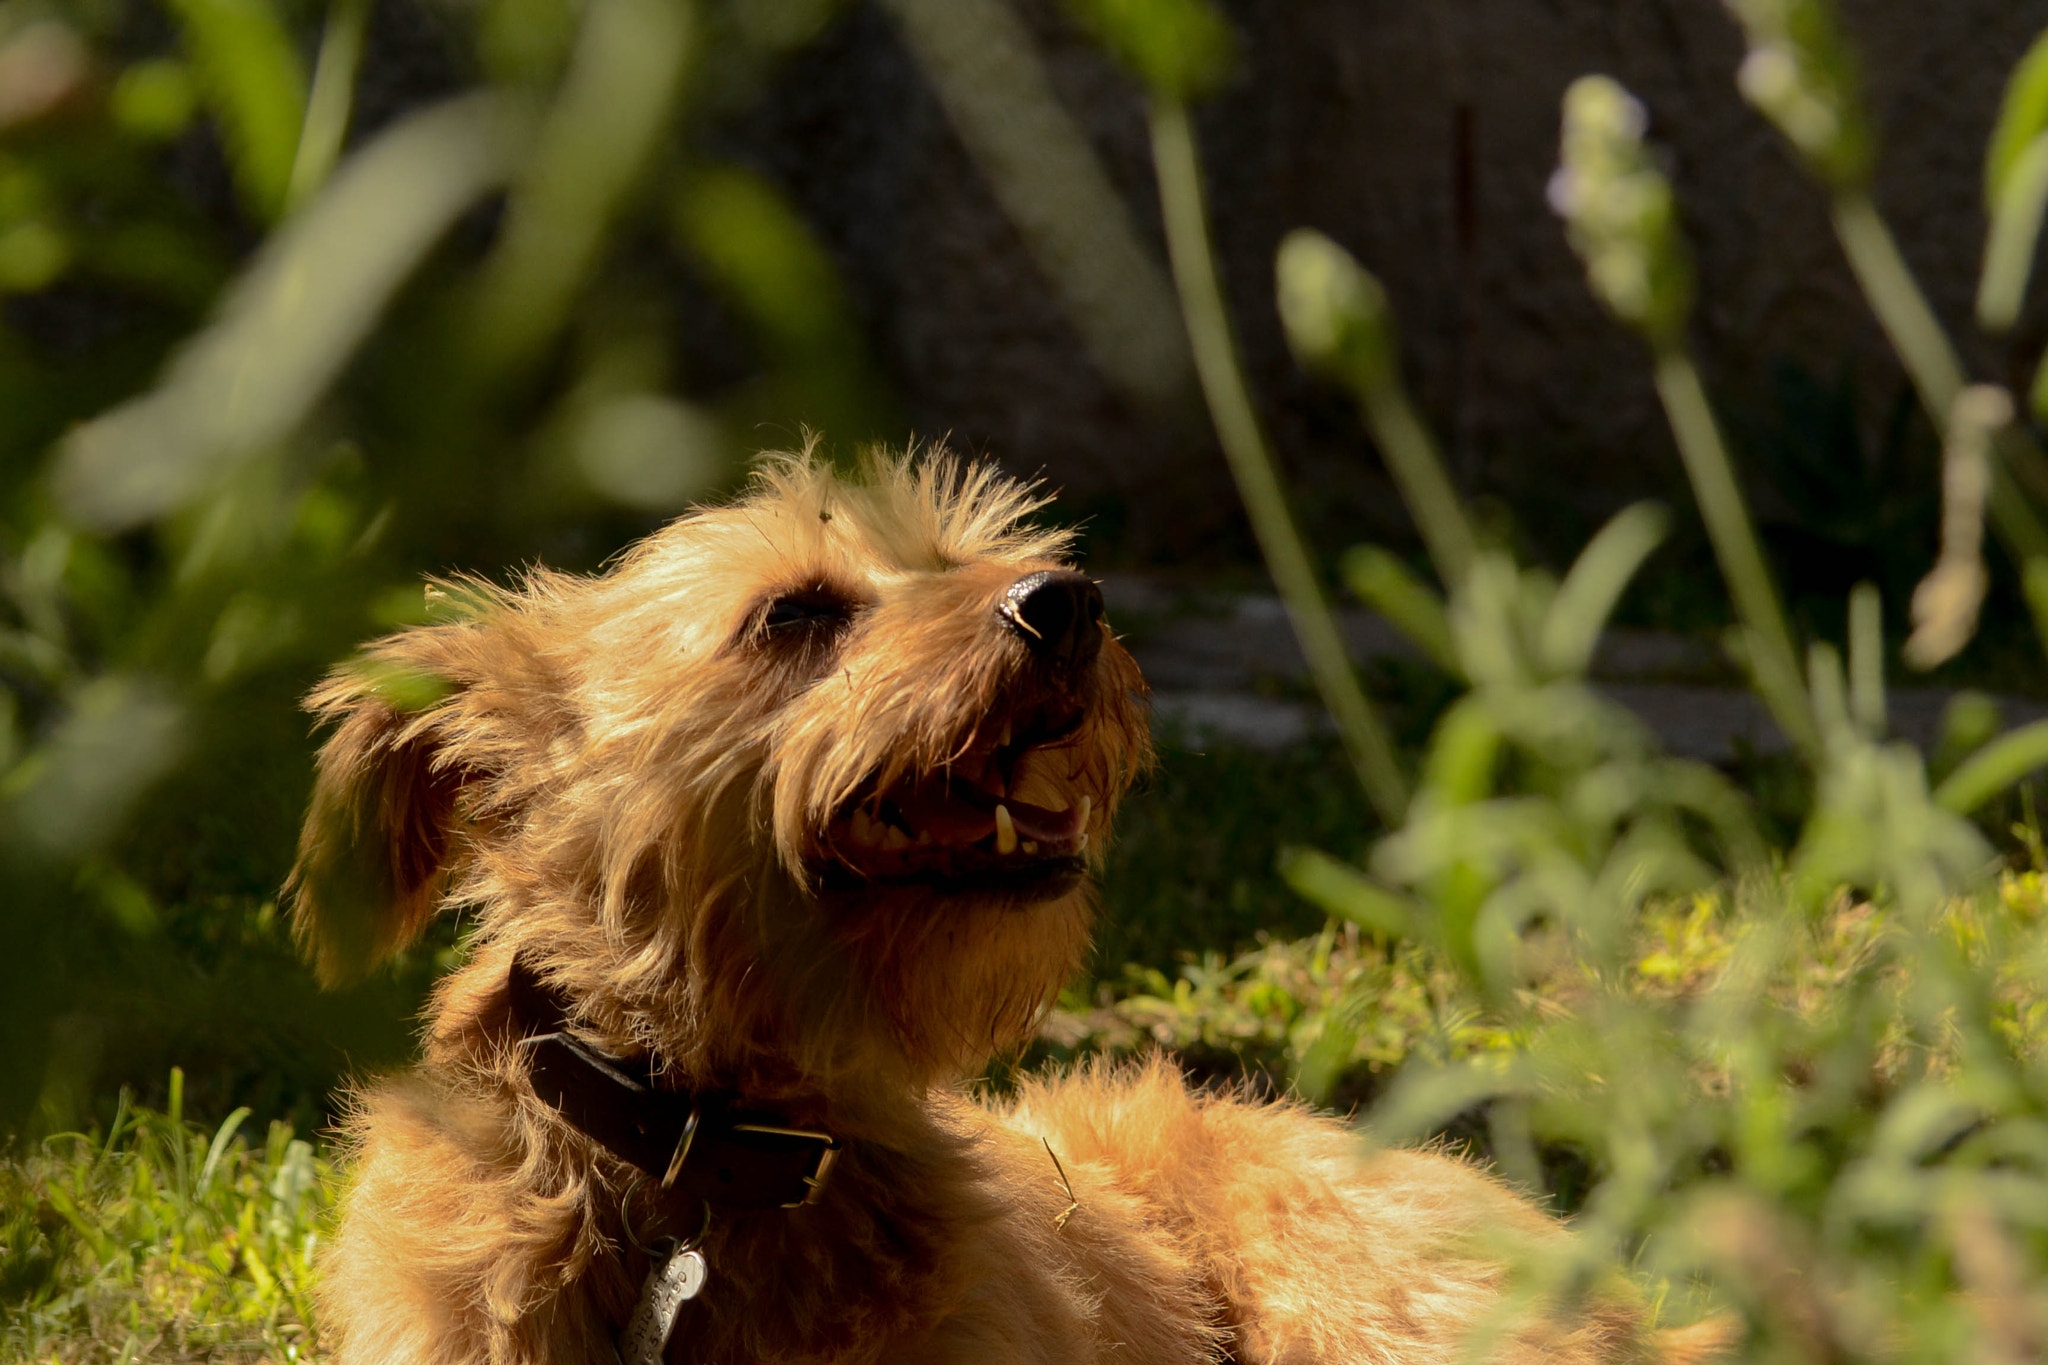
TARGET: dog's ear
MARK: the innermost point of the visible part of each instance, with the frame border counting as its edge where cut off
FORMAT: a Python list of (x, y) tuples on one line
[(375, 851)]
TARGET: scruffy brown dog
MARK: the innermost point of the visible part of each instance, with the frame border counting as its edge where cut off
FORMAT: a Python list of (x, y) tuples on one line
[(772, 834)]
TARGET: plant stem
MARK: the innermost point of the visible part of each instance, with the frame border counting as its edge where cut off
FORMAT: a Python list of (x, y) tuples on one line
[(1930, 360), (1915, 333), (1251, 460), (1774, 662), (1420, 475)]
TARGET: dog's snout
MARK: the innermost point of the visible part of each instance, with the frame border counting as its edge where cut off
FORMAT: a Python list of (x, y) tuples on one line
[(1058, 614)]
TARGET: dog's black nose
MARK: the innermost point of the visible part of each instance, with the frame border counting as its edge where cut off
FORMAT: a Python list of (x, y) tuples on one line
[(1058, 613)]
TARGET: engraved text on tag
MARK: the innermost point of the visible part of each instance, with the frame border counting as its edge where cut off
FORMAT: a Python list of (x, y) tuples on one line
[(673, 1282)]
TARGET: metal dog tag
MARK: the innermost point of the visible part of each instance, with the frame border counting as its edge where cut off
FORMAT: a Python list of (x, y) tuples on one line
[(672, 1283)]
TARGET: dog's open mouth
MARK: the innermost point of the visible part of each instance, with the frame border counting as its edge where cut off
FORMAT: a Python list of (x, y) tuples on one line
[(970, 826)]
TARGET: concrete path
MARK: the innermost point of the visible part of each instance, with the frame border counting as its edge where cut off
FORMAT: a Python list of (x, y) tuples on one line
[(1226, 668)]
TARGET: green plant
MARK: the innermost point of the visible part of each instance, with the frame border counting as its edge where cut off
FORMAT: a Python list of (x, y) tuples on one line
[(236, 427), (1859, 1176), (162, 1240)]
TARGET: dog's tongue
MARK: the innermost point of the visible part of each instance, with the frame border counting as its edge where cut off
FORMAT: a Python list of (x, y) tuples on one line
[(1048, 826)]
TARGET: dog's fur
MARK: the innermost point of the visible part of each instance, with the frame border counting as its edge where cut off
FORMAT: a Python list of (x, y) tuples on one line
[(642, 783)]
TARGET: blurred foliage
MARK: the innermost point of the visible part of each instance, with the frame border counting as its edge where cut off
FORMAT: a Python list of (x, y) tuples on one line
[(1797, 1062), (1341, 1013), (261, 367)]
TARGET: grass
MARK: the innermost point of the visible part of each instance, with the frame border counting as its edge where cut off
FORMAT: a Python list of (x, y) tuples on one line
[(1263, 1012), (161, 1239), (166, 1240), (1193, 869), (157, 1238)]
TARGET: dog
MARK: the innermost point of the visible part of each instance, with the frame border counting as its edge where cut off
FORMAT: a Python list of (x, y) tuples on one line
[(771, 835)]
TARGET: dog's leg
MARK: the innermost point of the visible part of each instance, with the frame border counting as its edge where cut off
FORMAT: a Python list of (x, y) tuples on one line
[(442, 1258), (1062, 1274), (1315, 1249)]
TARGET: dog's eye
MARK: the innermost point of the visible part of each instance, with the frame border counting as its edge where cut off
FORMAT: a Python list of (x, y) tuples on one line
[(805, 612)]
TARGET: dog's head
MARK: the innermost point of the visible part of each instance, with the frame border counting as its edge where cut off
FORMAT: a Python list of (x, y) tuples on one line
[(820, 774)]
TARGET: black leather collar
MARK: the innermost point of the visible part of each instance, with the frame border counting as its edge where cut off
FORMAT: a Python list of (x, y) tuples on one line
[(704, 1144)]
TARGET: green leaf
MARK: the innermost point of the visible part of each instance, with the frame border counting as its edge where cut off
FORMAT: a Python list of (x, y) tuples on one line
[(121, 735), (219, 1146), (402, 687), (1385, 584), (1993, 768), (1866, 660), (1320, 1068), (2022, 117), (525, 42), (292, 321), (1587, 597), (1344, 891), (599, 135), (764, 256), (1180, 49), (33, 254), (2016, 214), (1423, 1100), (252, 78), (1969, 722), (1463, 754), (154, 100), (329, 104)]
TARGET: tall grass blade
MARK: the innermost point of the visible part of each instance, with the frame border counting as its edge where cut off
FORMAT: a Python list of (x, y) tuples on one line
[(1902, 310), (2022, 118), (1931, 361), (998, 93), (219, 1145), (2015, 232), (1338, 320)]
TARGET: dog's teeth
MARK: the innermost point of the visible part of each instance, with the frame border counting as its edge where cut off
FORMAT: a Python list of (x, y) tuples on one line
[(1081, 842), (1087, 807), (895, 838), (1004, 742), (1006, 831), (1031, 846)]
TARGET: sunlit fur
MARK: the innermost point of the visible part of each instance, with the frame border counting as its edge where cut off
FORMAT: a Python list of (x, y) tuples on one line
[(622, 779)]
